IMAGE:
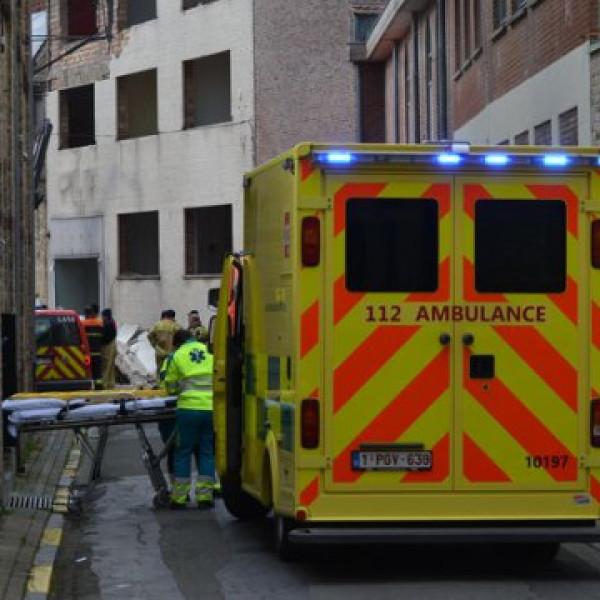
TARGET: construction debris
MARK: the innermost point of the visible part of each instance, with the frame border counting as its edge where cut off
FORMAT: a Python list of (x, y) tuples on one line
[(135, 357)]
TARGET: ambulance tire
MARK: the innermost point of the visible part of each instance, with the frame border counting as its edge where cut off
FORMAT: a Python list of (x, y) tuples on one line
[(283, 548), (239, 503)]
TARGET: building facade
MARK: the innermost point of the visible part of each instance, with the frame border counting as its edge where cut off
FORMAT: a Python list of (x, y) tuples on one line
[(158, 109), (498, 72)]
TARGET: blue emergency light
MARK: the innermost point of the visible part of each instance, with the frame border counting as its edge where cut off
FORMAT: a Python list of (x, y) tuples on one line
[(339, 158), (556, 160), (496, 160), (449, 159)]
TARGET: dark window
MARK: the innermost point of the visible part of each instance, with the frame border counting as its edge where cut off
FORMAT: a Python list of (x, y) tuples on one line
[(77, 120), (137, 108), (138, 244), (520, 246), (522, 139), (567, 128), (56, 331), (192, 3), (500, 13), (363, 26), (81, 17), (391, 245), (140, 11), (207, 90), (208, 239), (542, 134), (517, 5)]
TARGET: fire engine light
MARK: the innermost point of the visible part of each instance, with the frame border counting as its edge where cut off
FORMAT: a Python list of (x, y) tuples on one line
[(311, 241), (449, 159), (309, 423), (556, 160), (496, 160), (339, 158), (595, 423)]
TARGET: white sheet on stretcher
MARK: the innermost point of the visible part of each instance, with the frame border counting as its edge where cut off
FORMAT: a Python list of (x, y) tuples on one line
[(91, 411), (40, 414), (140, 404), (35, 404)]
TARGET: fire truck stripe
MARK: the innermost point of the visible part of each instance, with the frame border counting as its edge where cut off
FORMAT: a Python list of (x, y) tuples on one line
[(352, 190), (366, 360), (595, 488), (310, 493), (544, 359), (414, 400), (440, 468), (469, 284), (443, 292), (567, 301), (560, 192), (310, 329), (343, 301), (478, 466), (520, 423)]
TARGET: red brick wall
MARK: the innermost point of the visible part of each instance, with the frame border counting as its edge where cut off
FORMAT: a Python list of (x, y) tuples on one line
[(544, 33)]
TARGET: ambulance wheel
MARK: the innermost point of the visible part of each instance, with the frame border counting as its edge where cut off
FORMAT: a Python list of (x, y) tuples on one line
[(239, 503), (162, 500), (283, 548)]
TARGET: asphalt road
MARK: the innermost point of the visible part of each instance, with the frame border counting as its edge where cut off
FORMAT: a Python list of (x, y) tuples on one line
[(121, 548)]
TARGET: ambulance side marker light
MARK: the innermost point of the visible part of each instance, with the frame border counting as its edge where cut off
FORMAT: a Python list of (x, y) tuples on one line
[(301, 514), (311, 241), (556, 160), (496, 160), (595, 240), (595, 423), (449, 159), (309, 423)]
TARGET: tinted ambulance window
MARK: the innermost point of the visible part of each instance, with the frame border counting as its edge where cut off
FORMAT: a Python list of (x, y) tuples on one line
[(391, 245), (520, 246)]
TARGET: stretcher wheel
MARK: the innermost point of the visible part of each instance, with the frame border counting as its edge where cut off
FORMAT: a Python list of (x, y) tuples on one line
[(161, 500)]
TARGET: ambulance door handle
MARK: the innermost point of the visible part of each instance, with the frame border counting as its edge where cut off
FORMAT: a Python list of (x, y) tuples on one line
[(445, 339), (468, 339)]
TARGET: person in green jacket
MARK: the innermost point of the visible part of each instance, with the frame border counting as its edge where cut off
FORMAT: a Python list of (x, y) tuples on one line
[(189, 375)]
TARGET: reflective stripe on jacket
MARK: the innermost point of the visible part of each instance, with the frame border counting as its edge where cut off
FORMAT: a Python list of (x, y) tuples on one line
[(189, 373)]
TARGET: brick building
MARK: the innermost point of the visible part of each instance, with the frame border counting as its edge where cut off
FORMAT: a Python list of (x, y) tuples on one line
[(158, 108), (504, 71)]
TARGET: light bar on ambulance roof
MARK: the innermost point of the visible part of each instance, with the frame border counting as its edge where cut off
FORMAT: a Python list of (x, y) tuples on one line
[(496, 160), (339, 158), (556, 160), (448, 158)]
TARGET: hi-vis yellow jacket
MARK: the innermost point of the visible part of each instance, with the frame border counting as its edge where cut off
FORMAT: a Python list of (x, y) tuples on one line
[(189, 374)]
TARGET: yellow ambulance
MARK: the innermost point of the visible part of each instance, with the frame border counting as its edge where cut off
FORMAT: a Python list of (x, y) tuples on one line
[(408, 347)]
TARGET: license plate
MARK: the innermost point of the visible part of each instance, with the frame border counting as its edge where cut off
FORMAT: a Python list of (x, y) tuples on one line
[(391, 460)]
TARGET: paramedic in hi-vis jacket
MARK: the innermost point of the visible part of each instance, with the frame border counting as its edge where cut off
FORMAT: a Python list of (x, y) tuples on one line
[(189, 374)]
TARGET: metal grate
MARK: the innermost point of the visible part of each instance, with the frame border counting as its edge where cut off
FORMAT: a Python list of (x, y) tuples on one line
[(30, 502)]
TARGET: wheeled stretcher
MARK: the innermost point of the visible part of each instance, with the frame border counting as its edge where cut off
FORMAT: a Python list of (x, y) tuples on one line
[(44, 413)]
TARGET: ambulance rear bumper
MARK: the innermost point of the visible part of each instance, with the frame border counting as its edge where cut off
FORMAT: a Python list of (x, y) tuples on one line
[(588, 532)]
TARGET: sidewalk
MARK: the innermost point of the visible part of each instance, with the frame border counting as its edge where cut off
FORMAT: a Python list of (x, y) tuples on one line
[(24, 521)]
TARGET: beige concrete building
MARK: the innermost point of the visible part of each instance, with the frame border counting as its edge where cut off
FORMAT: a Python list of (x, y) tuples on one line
[(159, 107)]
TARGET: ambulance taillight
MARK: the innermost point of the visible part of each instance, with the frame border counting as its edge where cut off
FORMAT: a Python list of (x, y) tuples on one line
[(595, 423), (311, 241), (309, 423)]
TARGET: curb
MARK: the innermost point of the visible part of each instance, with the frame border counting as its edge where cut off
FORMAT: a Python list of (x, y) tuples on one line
[(40, 574)]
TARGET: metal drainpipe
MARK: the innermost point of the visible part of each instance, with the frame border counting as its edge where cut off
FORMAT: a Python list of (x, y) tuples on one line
[(396, 102), (442, 116), (417, 112)]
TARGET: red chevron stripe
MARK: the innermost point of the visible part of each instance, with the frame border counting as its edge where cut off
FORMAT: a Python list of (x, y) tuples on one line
[(478, 466), (366, 360), (595, 488), (596, 325), (567, 301), (351, 190), (306, 168), (560, 192), (413, 401), (519, 422), (310, 493), (544, 359), (441, 193), (343, 300), (472, 193), (309, 329), (440, 468)]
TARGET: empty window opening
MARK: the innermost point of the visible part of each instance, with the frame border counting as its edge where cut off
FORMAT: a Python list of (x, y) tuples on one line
[(207, 90), (81, 18), (138, 244), (208, 238), (192, 3), (140, 11), (522, 139), (568, 128), (500, 13), (137, 108), (77, 126)]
